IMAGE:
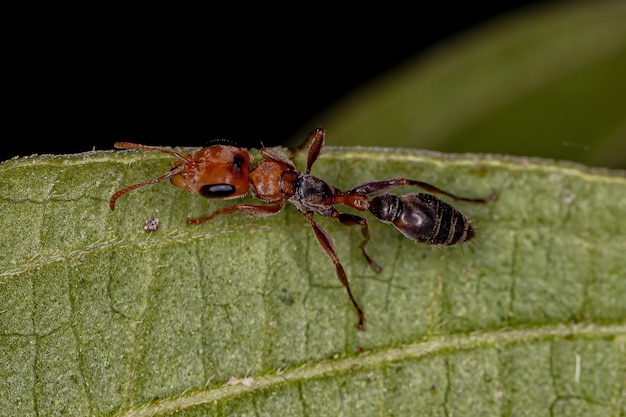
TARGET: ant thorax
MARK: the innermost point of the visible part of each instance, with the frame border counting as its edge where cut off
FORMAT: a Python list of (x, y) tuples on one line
[(313, 194)]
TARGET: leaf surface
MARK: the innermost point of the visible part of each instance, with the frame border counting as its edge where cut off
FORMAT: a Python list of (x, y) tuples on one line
[(244, 316)]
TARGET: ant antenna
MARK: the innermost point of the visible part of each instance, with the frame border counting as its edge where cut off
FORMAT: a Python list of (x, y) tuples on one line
[(171, 173)]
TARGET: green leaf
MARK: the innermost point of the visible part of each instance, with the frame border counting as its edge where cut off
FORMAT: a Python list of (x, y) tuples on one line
[(243, 316), (547, 81)]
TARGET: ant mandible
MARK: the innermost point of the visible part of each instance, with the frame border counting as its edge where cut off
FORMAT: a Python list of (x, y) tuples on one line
[(224, 172)]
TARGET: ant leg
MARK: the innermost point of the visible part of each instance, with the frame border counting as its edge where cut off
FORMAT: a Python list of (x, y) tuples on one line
[(376, 187), (351, 220), (251, 210), (327, 245), (316, 138)]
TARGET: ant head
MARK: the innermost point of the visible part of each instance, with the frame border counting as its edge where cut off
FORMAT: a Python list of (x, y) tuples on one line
[(217, 171)]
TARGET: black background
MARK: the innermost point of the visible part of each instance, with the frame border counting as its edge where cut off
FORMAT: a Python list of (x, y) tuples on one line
[(184, 79)]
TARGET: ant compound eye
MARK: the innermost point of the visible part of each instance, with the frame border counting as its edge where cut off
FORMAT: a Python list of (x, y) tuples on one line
[(217, 190)]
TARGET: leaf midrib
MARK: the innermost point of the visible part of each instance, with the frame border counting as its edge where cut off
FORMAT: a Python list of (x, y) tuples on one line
[(433, 346)]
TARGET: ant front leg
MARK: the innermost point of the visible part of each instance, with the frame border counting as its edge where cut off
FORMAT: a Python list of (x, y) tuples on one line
[(328, 246), (316, 138), (251, 210), (377, 187)]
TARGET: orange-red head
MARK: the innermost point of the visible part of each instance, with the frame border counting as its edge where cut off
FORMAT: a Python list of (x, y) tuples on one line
[(217, 171)]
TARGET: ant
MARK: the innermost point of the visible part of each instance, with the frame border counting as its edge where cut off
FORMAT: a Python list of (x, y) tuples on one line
[(224, 172)]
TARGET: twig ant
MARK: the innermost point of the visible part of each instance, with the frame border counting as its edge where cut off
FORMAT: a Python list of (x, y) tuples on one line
[(224, 172)]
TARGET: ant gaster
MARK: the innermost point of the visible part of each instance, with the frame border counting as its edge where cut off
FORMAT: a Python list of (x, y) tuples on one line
[(224, 172)]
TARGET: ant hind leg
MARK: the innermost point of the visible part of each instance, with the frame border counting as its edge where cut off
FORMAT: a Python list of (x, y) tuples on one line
[(377, 187)]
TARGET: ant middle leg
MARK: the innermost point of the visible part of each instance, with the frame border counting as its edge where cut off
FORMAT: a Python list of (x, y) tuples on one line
[(328, 246), (251, 210), (376, 187), (352, 220)]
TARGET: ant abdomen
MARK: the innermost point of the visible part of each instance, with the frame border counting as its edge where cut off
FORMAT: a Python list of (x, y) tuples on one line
[(423, 218)]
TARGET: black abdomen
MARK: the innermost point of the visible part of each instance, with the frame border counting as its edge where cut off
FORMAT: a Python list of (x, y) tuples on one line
[(423, 218)]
